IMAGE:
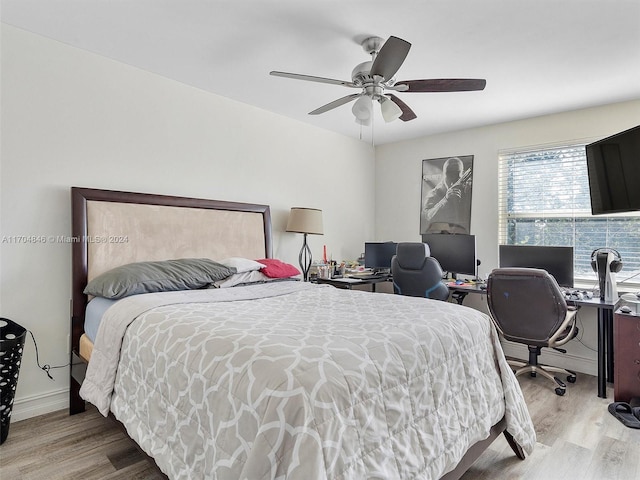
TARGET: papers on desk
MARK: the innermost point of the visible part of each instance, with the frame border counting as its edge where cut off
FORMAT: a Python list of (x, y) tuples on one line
[(355, 271), (454, 284), (347, 280)]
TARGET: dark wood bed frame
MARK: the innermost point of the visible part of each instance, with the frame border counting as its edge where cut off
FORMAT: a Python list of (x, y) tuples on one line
[(79, 199), (80, 264)]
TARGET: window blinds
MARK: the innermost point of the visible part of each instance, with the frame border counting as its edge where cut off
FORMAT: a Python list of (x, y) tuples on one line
[(544, 199)]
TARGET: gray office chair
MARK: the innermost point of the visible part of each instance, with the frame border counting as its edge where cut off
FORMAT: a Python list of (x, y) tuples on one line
[(416, 274), (528, 307)]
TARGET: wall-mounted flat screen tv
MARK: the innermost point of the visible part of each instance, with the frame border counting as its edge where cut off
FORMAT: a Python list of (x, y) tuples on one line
[(613, 164)]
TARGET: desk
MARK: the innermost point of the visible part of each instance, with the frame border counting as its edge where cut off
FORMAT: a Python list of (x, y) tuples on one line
[(350, 282), (605, 339), (605, 329), (459, 292)]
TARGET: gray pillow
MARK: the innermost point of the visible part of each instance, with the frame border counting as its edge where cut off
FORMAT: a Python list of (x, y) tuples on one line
[(160, 276)]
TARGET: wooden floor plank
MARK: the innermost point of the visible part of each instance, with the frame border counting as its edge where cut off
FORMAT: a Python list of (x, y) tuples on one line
[(615, 459), (574, 433)]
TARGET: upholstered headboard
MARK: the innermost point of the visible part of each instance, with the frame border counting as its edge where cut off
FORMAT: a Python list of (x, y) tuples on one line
[(123, 233), (112, 228)]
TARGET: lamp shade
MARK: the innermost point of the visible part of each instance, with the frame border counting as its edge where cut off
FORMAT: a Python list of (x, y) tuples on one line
[(363, 108), (305, 220), (390, 111)]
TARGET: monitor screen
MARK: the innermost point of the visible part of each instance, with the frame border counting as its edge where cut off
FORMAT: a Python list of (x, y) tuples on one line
[(377, 255), (558, 261), (456, 253), (613, 165)]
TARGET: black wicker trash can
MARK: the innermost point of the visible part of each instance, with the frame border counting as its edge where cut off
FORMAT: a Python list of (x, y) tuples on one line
[(12, 338)]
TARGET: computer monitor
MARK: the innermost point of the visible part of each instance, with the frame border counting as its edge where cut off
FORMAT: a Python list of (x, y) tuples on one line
[(377, 255), (456, 253), (558, 261)]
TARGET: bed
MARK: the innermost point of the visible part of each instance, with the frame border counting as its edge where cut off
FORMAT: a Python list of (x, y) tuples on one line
[(277, 379)]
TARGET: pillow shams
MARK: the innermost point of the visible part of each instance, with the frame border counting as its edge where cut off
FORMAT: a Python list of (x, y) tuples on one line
[(243, 278), (159, 276), (242, 264), (249, 278), (274, 268)]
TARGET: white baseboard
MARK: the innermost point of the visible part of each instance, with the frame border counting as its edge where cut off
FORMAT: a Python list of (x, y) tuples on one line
[(551, 357), (35, 405)]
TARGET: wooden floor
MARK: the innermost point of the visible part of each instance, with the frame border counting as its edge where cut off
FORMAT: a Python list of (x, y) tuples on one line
[(577, 439)]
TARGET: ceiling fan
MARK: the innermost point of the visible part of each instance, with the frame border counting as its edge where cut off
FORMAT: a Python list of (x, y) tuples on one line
[(375, 79)]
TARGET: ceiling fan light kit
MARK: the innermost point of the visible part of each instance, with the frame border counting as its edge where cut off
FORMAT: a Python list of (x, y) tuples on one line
[(363, 110), (375, 77), (390, 111)]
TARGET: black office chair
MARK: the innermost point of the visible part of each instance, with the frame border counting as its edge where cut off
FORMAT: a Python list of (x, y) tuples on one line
[(528, 307), (417, 274)]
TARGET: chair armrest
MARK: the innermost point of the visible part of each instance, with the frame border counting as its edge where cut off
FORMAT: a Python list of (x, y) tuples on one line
[(569, 319)]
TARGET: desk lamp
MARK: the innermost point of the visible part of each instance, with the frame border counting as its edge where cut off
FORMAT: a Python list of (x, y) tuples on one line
[(305, 221)]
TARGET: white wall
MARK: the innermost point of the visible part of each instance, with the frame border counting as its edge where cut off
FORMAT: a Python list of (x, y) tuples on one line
[(398, 184), (72, 118)]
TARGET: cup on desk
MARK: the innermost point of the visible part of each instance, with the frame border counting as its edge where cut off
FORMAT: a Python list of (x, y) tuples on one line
[(324, 271)]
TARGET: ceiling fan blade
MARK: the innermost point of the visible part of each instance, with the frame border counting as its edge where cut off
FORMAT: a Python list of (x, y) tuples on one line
[(390, 57), (310, 78), (334, 104), (443, 85), (407, 113)]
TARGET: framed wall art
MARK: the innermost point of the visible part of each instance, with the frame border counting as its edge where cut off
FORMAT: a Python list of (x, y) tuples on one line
[(446, 195)]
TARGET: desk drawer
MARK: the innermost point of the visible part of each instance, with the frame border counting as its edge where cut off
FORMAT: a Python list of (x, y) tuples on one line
[(626, 377)]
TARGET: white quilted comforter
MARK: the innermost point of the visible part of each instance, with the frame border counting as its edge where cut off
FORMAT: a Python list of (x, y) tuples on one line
[(300, 381)]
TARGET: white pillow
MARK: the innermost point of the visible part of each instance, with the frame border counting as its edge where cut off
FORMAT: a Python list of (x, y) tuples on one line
[(253, 276), (241, 264)]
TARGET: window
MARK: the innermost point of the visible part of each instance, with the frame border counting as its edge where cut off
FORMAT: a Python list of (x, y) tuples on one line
[(544, 200)]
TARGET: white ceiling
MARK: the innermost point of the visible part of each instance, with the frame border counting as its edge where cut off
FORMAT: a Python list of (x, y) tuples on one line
[(538, 57)]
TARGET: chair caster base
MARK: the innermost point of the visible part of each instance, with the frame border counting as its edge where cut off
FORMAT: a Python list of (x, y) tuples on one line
[(562, 388)]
